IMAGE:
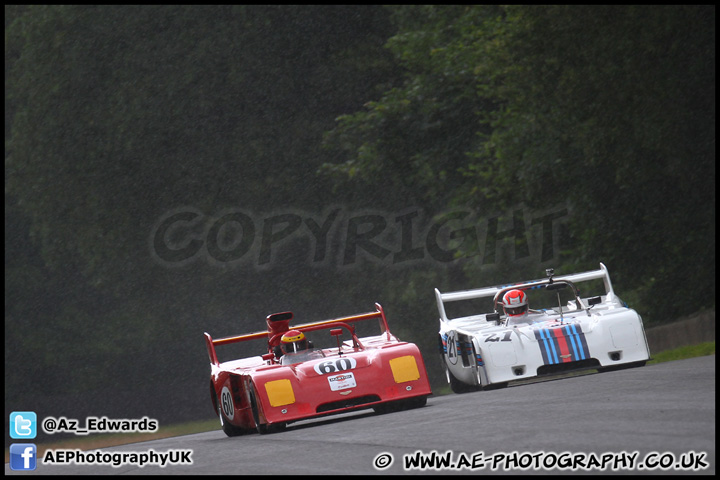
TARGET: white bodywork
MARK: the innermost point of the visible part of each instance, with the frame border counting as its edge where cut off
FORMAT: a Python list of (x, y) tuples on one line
[(479, 351)]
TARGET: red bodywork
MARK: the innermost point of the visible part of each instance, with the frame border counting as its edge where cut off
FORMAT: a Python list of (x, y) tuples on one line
[(265, 392)]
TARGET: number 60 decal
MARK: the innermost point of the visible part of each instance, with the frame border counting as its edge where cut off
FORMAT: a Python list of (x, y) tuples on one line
[(226, 402), (331, 366)]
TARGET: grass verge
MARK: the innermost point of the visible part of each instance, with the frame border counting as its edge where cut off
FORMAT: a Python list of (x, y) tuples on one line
[(680, 353)]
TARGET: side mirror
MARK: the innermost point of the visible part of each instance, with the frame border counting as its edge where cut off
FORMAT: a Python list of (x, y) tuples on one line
[(493, 317), (594, 301)]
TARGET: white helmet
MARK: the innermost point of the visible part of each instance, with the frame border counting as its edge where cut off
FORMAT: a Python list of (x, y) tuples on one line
[(515, 303)]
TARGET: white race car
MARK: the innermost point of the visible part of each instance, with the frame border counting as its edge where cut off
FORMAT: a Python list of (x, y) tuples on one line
[(513, 342)]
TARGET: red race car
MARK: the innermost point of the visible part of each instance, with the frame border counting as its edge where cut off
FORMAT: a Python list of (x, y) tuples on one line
[(295, 380)]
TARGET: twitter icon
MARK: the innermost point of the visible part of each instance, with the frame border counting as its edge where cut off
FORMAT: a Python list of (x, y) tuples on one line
[(23, 425)]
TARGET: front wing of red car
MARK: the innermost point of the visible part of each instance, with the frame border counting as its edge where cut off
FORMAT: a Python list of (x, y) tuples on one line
[(338, 383)]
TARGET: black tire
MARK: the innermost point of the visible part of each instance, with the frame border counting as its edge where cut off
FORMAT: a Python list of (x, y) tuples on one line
[(460, 387), (262, 428), (455, 385), (227, 427)]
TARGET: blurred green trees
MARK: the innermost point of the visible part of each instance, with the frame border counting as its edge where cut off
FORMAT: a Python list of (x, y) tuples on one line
[(597, 121)]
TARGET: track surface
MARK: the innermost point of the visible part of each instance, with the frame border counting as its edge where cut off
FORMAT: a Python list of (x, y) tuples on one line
[(667, 408)]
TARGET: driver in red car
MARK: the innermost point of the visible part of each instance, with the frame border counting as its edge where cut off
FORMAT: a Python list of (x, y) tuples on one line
[(296, 348), (293, 341)]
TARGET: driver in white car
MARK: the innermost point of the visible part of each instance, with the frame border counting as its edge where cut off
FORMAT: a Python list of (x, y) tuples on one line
[(516, 307)]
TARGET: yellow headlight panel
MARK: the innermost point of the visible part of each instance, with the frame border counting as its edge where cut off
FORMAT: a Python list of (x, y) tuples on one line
[(280, 392), (404, 369)]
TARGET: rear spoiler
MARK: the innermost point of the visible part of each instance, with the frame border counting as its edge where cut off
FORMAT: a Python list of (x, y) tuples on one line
[(601, 273), (379, 313)]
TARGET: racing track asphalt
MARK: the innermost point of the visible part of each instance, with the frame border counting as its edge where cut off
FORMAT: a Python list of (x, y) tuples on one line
[(663, 411)]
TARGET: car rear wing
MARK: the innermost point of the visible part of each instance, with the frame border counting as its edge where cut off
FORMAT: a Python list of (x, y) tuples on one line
[(379, 314), (601, 273)]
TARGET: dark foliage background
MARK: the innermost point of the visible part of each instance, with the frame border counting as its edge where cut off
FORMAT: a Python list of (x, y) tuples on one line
[(536, 136)]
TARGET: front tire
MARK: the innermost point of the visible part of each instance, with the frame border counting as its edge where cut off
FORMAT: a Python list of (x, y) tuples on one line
[(228, 428), (262, 428), (460, 387)]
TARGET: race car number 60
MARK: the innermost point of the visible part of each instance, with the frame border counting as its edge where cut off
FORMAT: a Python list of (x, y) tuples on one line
[(331, 366), (227, 403)]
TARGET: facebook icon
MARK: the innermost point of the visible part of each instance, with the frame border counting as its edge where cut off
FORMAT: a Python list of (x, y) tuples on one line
[(23, 456)]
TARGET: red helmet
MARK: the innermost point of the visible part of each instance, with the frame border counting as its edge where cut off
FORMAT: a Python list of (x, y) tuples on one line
[(293, 341), (515, 303)]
